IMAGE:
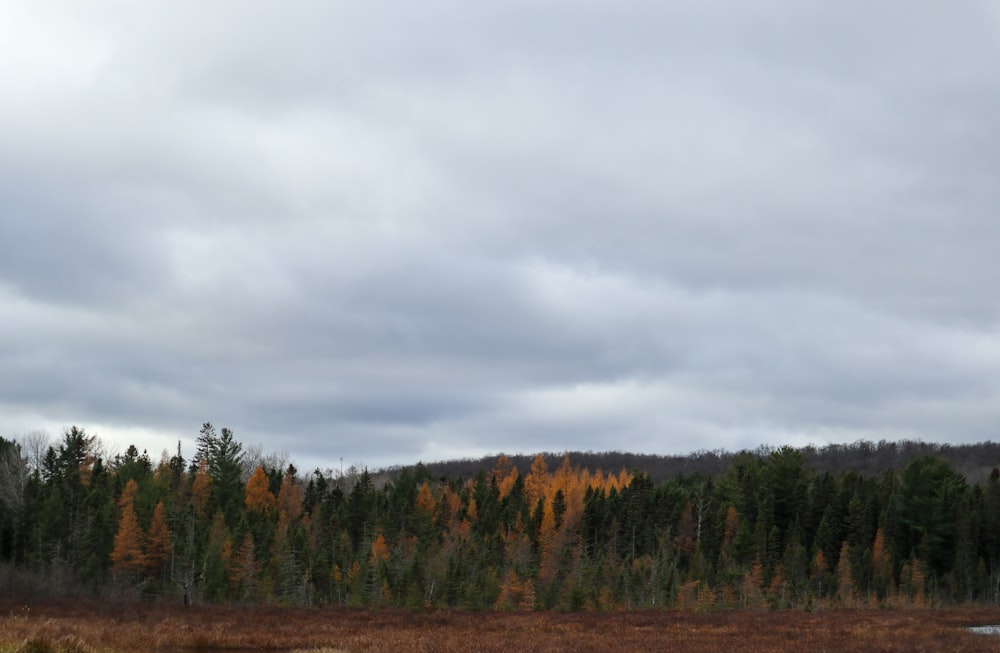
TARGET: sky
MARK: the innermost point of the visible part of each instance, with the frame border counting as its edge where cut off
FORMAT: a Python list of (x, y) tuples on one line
[(384, 232)]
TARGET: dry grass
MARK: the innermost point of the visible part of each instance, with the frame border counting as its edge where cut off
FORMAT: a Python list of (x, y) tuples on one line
[(92, 627)]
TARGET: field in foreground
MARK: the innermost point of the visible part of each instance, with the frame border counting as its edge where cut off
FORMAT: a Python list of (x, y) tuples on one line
[(81, 627)]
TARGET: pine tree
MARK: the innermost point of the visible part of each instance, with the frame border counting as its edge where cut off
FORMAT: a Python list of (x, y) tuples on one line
[(216, 564)]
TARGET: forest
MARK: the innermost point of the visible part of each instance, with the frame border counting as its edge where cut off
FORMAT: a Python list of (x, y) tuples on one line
[(763, 529)]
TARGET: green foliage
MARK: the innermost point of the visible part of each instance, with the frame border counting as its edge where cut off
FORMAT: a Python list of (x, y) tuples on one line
[(224, 457), (926, 507), (767, 530)]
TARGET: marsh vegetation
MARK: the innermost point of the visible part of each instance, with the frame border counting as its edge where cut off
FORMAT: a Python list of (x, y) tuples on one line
[(91, 627)]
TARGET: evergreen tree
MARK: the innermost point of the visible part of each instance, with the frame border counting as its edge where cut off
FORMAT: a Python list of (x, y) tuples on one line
[(100, 522), (223, 457), (929, 495)]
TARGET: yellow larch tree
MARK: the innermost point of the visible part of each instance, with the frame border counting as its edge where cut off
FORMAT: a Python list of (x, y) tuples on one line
[(573, 482), (820, 573), (380, 550), (752, 594), (159, 541), (128, 557), (881, 565), (536, 483), (618, 481), (258, 495), (201, 489), (425, 500), (505, 474), (845, 582), (245, 570), (290, 498), (449, 505), (516, 593)]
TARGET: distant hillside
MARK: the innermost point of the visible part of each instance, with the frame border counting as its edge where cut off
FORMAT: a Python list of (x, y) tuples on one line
[(974, 461)]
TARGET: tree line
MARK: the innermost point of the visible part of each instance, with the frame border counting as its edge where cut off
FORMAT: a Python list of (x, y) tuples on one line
[(863, 456), (766, 530)]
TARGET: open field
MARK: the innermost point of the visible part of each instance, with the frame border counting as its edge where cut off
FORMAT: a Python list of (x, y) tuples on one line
[(93, 626)]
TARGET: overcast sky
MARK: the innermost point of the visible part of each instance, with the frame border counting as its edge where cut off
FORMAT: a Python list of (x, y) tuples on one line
[(391, 231)]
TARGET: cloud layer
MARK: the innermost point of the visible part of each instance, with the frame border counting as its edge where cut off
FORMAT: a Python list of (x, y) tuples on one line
[(389, 232)]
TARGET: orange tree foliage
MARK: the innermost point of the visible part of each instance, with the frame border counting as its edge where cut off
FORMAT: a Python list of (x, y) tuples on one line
[(425, 500), (764, 532), (845, 579), (289, 499), (258, 496), (201, 489), (159, 541), (128, 556)]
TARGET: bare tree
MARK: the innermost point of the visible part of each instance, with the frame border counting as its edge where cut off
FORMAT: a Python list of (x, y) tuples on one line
[(34, 445), (254, 456), (13, 473)]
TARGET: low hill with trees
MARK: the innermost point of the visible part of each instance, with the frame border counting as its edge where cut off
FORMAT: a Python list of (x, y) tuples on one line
[(975, 461)]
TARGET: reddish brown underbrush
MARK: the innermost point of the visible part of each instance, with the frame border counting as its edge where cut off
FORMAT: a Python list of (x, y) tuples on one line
[(81, 627)]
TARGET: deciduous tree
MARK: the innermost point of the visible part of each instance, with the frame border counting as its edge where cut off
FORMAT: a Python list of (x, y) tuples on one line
[(128, 556), (159, 542), (259, 497), (845, 581)]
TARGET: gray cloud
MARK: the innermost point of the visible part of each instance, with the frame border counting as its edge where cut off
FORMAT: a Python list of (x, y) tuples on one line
[(389, 233)]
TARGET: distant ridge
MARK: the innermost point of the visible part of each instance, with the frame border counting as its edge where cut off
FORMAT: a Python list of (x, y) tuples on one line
[(974, 461)]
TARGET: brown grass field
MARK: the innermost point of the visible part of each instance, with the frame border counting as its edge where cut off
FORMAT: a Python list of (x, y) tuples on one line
[(81, 627)]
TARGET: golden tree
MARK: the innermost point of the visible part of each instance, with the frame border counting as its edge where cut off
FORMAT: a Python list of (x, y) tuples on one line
[(201, 489), (258, 495), (245, 570), (516, 593), (290, 498), (159, 540), (752, 590), (128, 557), (505, 474), (536, 483), (380, 550), (845, 582), (731, 528), (881, 565), (425, 500), (820, 571)]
